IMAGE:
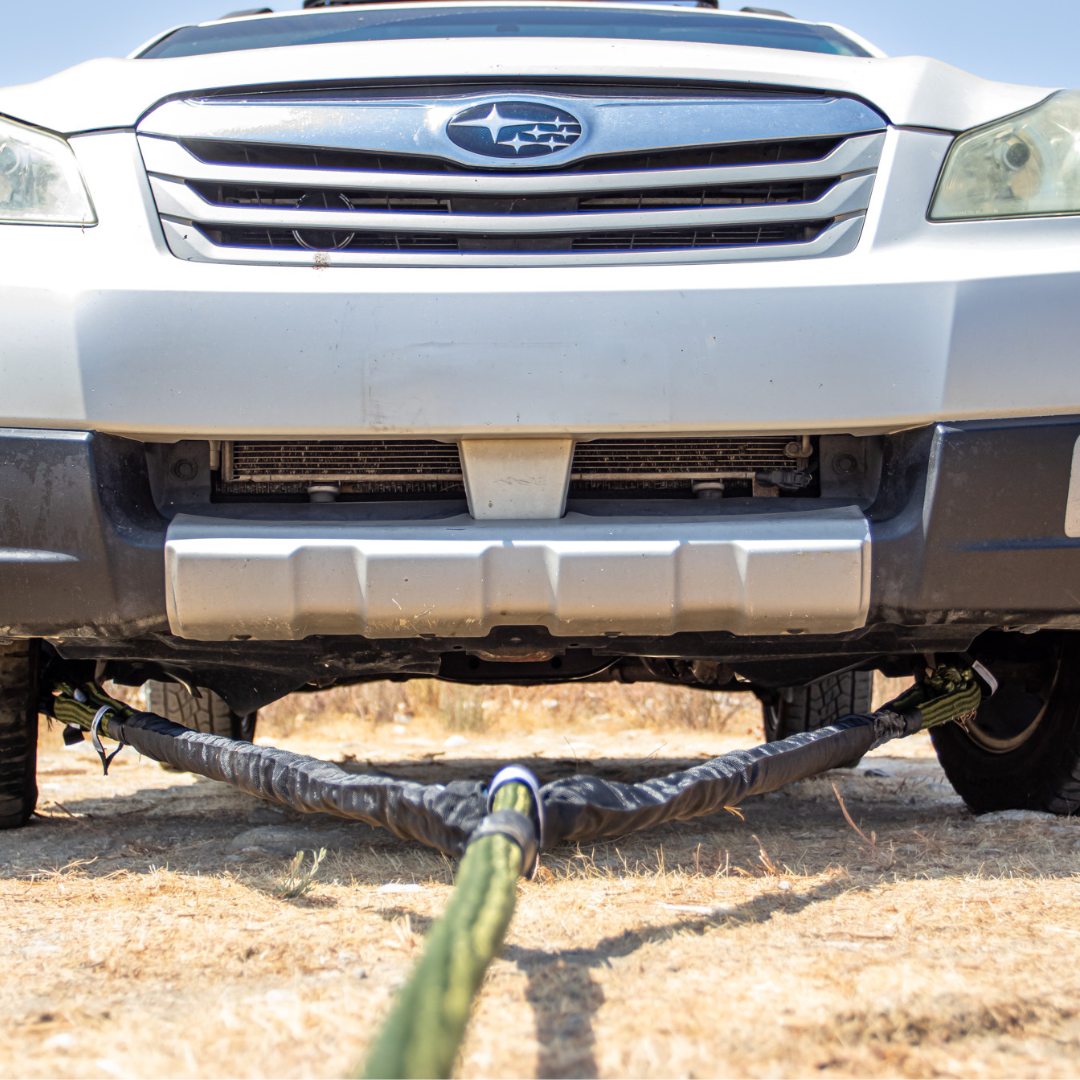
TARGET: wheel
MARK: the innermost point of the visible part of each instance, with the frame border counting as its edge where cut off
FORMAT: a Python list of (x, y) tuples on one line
[(208, 713), (1022, 749), (18, 732), (807, 708)]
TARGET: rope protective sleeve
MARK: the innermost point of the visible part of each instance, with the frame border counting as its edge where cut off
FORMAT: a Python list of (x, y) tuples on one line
[(578, 808), (584, 807), (442, 817)]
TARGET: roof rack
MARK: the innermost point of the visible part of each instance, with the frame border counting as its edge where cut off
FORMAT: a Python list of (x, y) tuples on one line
[(351, 3), (763, 11)]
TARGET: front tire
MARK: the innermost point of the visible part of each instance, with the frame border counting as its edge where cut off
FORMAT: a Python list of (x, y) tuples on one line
[(18, 732), (207, 713), (1022, 749)]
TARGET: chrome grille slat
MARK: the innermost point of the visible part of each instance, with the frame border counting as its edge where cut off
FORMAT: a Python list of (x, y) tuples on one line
[(188, 242), (166, 158), (413, 122), (175, 199)]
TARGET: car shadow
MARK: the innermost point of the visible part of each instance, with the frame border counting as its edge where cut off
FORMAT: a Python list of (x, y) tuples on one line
[(565, 996), (433, 769)]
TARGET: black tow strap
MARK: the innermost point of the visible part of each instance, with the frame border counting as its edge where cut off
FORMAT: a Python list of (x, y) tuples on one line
[(578, 808)]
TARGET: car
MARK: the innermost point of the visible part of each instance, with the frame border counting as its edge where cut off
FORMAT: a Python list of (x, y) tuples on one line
[(525, 341)]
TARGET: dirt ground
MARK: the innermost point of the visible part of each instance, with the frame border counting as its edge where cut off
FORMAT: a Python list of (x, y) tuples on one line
[(143, 934)]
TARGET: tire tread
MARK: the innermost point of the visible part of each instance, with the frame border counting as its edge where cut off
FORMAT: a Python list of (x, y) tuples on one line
[(807, 708), (18, 733), (208, 713)]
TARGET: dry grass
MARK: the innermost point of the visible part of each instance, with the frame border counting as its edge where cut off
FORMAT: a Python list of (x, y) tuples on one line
[(144, 933), (520, 709)]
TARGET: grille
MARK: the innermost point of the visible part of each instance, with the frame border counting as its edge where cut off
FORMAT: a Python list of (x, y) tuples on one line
[(383, 460), (416, 465), (682, 459), (249, 199)]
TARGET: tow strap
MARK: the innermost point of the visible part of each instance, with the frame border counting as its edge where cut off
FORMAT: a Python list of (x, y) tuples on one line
[(499, 828)]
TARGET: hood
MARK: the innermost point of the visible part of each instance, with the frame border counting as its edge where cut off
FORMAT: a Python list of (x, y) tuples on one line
[(910, 91)]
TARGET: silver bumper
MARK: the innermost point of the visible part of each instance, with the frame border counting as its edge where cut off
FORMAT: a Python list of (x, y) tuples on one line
[(752, 574)]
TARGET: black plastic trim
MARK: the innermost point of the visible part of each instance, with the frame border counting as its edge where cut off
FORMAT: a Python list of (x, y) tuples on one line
[(969, 526), (81, 542)]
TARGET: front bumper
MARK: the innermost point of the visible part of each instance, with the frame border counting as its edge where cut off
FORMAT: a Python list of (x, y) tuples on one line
[(968, 530), (104, 328)]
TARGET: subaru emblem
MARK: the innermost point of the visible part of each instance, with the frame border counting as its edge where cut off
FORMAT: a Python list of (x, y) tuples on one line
[(514, 129)]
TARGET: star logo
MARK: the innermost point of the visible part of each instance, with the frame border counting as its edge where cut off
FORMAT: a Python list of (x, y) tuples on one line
[(493, 123), (513, 129)]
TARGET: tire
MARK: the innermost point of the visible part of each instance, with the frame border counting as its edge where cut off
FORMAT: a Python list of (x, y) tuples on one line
[(1022, 749), (208, 713), (18, 732), (807, 708)]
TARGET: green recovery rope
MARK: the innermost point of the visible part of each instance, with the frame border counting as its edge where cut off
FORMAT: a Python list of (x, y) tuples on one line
[(422, 1034), (426, 1025)]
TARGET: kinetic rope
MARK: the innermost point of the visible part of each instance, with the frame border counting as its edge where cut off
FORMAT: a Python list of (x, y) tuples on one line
[(501, 828)]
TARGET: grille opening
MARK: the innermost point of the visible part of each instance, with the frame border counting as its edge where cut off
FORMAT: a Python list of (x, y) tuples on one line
[(399, 460), (688, 459), (711, 236), (384, 469), (390, 469), (669, 468), (225, 152), (684, 198)]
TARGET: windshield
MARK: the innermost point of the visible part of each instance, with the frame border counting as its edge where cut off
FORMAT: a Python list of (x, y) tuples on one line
[(393, 24)]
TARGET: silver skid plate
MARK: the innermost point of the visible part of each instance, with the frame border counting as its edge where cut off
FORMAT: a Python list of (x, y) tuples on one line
[(747, 574)]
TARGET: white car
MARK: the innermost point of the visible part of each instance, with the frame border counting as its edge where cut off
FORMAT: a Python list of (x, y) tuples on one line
[(533, 340)]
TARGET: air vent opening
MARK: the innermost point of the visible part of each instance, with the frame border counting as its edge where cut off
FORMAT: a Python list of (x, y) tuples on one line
[(224, 152), (615, 240), (671, 468)]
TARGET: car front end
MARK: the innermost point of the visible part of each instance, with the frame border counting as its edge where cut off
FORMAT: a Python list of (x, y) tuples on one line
[(536, 353)]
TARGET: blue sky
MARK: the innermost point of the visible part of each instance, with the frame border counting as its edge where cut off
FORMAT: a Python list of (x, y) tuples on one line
[(1014, 42)]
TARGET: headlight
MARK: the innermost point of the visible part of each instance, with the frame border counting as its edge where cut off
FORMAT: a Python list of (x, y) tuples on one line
[(40, 181), (1027, 164)]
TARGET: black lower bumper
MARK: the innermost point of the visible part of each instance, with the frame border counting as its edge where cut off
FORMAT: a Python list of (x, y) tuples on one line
[(968, 531), (969, 526), (81, 541)]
